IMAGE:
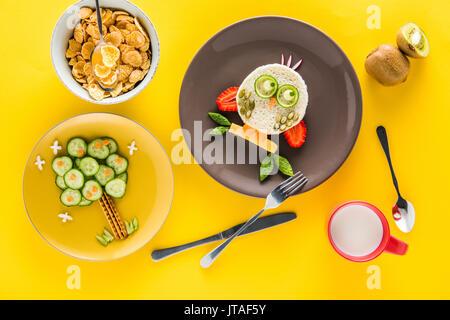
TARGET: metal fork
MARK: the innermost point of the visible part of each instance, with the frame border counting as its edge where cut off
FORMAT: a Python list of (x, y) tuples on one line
[(283, 191)]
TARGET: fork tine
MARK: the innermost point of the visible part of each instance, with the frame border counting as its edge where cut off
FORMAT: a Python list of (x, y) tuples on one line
[(294, 185), (288, 181), (301, 185)]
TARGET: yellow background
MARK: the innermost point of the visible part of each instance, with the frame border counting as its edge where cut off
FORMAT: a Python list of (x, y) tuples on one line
[(293, 261)]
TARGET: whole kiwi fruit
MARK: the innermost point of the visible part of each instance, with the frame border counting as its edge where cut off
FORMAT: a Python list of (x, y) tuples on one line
[(413, 41), (387, 64)]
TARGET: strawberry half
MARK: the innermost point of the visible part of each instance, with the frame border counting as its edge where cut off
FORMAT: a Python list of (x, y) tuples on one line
[(227, 100), (295, 136)]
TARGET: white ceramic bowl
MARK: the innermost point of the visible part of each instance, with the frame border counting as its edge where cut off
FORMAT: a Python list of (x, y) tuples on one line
[(64, 31)]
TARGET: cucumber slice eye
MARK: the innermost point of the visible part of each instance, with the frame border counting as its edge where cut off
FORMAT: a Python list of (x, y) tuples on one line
[(111, 143), (104, 175), (76, 147), (92, 190), (118, 163), (61, 165), (74, 179), (97, 149), (266, 86), (70, 197), (287, 96)]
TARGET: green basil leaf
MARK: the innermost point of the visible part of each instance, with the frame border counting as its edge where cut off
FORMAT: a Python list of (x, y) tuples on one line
[(284, 166), (217, 131), (266, 168), (219, 119)]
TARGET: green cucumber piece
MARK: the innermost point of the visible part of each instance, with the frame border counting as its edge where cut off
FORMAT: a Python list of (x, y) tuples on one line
[(102, 241), (89, 166), (70, 197), (76, 147), (287, 96), (74, 179), (97, 149), (107, 235), (84, 202), (104, 174), (61, 165), (116, 188), (118, 163), (59, 181), (112, 144), (92, 190), (123, 176), (266, 86), (129, 227), (135, 224)]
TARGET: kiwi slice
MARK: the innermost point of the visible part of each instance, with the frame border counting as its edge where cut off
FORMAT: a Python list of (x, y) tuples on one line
[(387, 65), (413, 41)]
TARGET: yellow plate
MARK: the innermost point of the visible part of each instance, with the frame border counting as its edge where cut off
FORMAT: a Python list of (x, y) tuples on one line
[(148, 197)]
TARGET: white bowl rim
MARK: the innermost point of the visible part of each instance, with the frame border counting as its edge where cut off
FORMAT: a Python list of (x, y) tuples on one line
[(130, 94)]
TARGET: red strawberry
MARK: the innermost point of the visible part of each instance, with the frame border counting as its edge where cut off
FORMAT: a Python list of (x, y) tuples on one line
[(227, 99), (295, 136)]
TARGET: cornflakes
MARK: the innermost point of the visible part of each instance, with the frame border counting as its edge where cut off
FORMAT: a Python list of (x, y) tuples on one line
[(126, 64), (132, 58), (135, 39)]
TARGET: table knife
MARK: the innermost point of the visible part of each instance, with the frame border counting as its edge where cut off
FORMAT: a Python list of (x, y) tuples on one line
[(260, 224)]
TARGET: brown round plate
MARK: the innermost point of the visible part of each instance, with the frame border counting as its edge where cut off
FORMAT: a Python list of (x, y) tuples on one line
[(334, 112)]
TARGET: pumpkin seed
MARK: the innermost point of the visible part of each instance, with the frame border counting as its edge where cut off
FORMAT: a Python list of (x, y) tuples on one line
[(290, 115), (283, 119), (242, 111), (248, 114), (289, 123), (252, 105), (278, 118), (297, 116), (283, 127), (241, 93), (276, 126)]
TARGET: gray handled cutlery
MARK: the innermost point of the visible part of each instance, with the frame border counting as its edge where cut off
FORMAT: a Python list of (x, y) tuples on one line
[(284, 190), (260, 224)]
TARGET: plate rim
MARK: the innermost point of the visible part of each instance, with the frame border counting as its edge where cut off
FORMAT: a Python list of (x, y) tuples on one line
[(358, 95), (84, 258)]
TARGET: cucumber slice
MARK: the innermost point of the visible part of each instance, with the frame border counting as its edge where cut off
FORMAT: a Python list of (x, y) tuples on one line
[(112, 144), (92, 190), (107, 235), (135, 224), (102, 241), (84, 202), (123, 176), (77, 162), (266, 86), (61, 165), (59, 181), (116, 188), (97, 149), (118, 163), (104, 174), (70, 197), (76, 147), (74, 179), (287, 96), (89, 166)]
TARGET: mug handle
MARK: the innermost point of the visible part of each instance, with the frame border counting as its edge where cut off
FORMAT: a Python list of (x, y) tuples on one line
[(396, 246)]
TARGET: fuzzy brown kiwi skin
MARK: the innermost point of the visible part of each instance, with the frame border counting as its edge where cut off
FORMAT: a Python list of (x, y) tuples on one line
[(388, 65)]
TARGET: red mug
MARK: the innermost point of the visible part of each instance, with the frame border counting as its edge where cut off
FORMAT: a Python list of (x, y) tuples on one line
[(387, 243)]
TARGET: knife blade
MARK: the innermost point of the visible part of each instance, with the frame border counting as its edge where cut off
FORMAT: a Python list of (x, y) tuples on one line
[(260, 224)]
